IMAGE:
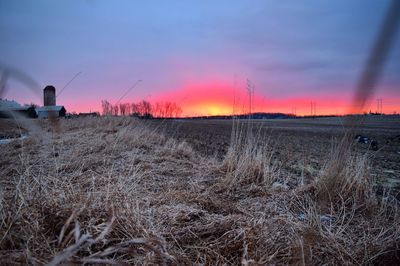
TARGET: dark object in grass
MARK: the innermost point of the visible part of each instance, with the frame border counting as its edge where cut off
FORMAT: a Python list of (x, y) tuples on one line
[(361, 139), (374, 145), (366, 140)]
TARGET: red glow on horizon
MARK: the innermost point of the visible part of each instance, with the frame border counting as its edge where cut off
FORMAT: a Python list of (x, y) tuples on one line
[(219, 98)]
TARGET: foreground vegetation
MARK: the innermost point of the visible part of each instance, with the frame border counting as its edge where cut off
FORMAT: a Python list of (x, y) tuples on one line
[(112, 190)]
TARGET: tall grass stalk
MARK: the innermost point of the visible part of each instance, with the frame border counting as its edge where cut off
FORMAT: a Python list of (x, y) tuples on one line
[(249, 158)]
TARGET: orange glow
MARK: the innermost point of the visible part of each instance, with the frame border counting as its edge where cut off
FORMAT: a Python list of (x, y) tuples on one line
[(197, 104), (221, 98), (218, 98), (209, 108), (214, 98)]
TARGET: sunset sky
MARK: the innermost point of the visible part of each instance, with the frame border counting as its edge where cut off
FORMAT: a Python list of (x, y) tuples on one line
[(198, 54)]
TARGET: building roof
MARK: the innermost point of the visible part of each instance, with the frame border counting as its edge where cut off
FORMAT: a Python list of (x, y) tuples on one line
[(6, 104), (19, 108), (22, 108), (53, 108)]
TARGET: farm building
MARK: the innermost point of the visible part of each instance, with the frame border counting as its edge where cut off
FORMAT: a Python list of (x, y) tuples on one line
[(92, 114), (49, 96), (10, 109), (25, 111), (51, 111)]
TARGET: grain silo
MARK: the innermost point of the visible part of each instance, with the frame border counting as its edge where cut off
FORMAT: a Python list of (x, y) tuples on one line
[(49, 94), (50, 109)]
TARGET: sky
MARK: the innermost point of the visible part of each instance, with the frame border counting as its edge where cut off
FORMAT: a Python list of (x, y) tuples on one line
[(198, 54)]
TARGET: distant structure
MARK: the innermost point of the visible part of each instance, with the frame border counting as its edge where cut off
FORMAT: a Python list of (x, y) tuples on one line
[(91, 114), (11, 109), (50, 109), (9, 104), (49, 95)]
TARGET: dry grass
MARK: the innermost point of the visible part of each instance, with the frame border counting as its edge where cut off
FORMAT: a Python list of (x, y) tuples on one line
[(112, 191), (345, 175), (249, 159)]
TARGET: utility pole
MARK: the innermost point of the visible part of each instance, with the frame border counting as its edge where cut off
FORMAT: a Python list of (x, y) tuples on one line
[(294, 111), (234, 94), (311, 114), (313, 109), (250, 90), (379, 105)]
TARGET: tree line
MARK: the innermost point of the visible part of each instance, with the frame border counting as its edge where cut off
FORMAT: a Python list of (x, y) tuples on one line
[(142, 109)]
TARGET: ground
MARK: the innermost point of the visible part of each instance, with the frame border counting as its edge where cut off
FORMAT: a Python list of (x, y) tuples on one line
[(120, 190), (308, 141)]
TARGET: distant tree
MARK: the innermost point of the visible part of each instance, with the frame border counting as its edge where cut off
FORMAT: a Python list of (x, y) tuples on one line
[(157, 109), (177, 110), (163, 109), (115, 110), (106, 107), (34, 105), (145, 108), (127, 108), (122, 109), (168, 109), (135, 109)]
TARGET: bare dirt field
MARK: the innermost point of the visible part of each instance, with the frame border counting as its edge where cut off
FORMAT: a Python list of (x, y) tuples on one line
[(114, 190), (300, 141)]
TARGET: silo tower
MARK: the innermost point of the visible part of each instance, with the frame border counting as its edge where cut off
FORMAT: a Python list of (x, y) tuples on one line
[(49, 94)]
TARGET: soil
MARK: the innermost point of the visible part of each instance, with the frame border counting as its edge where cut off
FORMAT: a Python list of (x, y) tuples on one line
[(297, 142)]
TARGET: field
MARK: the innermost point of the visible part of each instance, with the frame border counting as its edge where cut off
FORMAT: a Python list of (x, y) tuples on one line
[(308, 141), (114, 190)]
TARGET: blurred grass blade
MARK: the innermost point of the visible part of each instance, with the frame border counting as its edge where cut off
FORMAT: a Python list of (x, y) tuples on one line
[(374, 65)]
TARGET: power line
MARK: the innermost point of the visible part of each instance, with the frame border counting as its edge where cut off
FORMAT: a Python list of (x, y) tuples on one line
[(69, 82), (133, 86)]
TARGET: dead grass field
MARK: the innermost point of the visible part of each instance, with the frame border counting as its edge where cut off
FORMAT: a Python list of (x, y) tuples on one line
[(114, 190)]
